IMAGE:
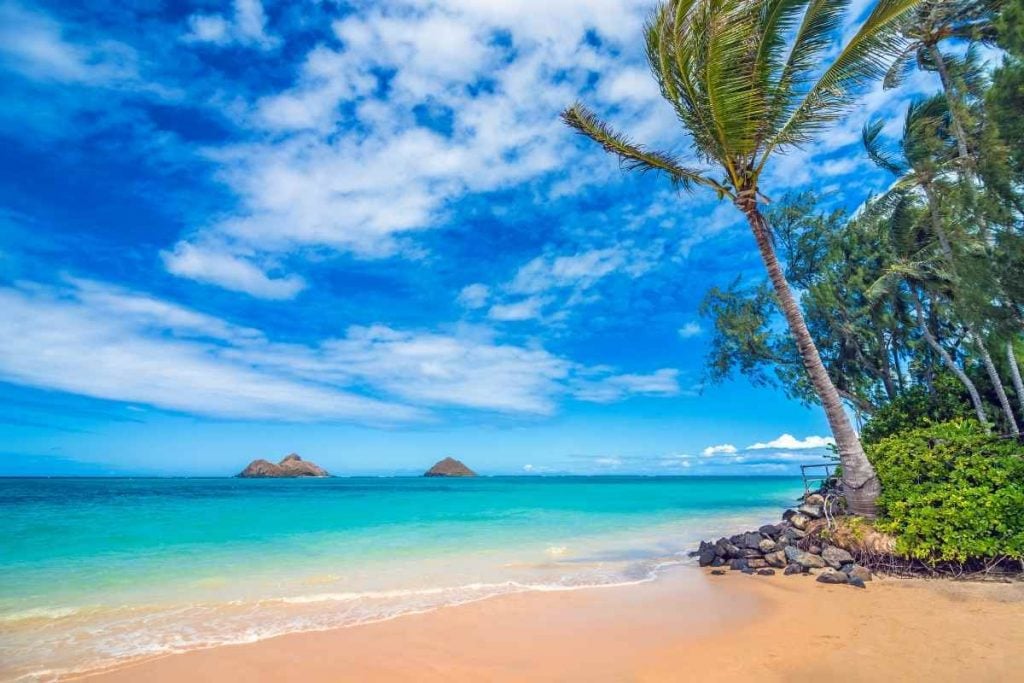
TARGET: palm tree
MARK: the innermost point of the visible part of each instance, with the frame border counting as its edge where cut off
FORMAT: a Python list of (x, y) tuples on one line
[(745, 80), (925, 149)]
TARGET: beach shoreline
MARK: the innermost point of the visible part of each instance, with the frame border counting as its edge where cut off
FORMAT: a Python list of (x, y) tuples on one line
[(684, 625)]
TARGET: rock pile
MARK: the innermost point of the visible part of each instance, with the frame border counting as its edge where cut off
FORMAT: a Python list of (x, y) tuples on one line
[(795, 546)]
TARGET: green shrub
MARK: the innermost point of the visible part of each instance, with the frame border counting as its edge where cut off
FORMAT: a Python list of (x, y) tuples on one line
[(918, 407), (951, 493)]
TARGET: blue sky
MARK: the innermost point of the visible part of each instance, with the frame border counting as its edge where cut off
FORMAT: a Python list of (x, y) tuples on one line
[(358, 231)]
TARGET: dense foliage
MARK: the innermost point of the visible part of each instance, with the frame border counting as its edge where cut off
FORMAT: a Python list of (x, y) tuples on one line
[(922, 282), (918, 407), (952, 493)]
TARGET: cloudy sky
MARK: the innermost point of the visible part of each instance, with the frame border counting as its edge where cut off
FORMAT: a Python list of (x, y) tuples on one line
[(358, 230)]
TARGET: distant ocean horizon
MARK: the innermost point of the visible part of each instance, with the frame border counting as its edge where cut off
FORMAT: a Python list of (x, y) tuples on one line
[(99, 570)]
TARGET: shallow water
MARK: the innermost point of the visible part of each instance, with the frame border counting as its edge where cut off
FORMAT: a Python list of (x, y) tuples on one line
[(93, 571)]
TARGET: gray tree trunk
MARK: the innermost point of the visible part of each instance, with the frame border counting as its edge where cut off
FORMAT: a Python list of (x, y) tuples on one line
[(1018, 385), (860, 483), (947, 360), (997, 384)]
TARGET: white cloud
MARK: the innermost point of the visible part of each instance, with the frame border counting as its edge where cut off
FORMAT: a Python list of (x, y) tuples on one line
[(663, 382), (98, 340), (35, 45), (790, 442), (109, 344), (523, 309), (690, 329), (246, 26), (474, 295), (229, 271), (726, 448)]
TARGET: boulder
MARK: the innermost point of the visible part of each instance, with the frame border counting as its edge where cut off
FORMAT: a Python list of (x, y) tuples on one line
[(788, 515), (860, 573), (722, 547), (736, 540), (733, 551), (751, 540), (449, 467), (706, 557), (857, 582), (835, 557), (793, 569), (718, 572), (769, 530), (290, 466), (793, 534), (766, 545), (829, 575), (814, 499), (776, 559), (757, 563), (799, 520), (812, 511), (749, 553), (804, 559), (718, 561), (738, 564), (748, 570), (814, 549), (766, 572)]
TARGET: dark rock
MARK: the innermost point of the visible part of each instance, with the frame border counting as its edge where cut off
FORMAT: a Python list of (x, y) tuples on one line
[(737, 564), (769, 530), (718, 572), (793, 534), (748, 553), (857, 582), (829, 575), (751, 540), (766, 572), (706, 557), (748, 570), (449, 467), (847, 567), (804, 559), (836, 557), (776, 559), (736, 540), (717, 562), (757, 563), (733, 551), (793, 569), (812, 511), (766, 545), (290, 466), (722, 547), (787, 515), (860, 573)]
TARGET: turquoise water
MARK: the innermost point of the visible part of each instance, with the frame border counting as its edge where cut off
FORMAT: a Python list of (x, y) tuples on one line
[(94, 571)]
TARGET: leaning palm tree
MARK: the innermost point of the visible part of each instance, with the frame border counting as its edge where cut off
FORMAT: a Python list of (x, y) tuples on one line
[(746, 79)]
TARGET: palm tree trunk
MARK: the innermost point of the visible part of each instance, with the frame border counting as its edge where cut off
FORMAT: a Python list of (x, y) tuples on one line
[(1018, 385), (860, 483), (947, 360), (997, 384), (954, 112)]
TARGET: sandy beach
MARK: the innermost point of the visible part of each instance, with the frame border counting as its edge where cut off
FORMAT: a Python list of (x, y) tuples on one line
[(687, 625)]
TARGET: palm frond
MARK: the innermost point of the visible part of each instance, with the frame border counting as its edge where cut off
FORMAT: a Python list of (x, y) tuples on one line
[(632, 156), (864, 58), (881, 157)]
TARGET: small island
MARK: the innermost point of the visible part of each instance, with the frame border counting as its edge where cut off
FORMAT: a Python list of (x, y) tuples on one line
[(291, 466), (449, 467)]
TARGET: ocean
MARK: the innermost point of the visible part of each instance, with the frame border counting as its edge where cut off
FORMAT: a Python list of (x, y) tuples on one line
[(98, 571)]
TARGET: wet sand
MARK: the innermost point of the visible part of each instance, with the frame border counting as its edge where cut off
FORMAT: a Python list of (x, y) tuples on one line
[(685, 626)]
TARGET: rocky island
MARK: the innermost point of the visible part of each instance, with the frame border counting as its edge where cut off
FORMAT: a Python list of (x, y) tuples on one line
[(449, 467), (290, 466)]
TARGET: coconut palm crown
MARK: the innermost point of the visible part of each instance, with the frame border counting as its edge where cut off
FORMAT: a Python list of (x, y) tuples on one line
[(748, 79)]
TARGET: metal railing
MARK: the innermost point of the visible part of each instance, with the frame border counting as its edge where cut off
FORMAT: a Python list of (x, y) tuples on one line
[(827, 471)]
